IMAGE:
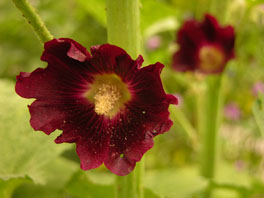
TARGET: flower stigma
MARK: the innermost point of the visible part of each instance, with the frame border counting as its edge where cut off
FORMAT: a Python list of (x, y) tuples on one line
[(211, 58), (108, 93)]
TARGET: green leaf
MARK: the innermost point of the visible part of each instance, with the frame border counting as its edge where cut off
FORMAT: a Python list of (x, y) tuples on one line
[(81, 186), (58, 173), (257, 188), (95, 184), (182, 182), (7, 187), (37, 191), (167, 24), (228, 174), (258, 112), (159, 14), (225, 193), (23, 152)]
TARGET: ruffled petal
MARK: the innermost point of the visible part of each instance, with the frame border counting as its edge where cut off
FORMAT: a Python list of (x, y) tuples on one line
[(183, 61), (146, 86), (119, 165), (27, 85), (190, 35), (92, 148), (45, 116), (210, 28), (172, 99), (63, 48), (112, 59), (227, 39), (62, 75), (67, 137)]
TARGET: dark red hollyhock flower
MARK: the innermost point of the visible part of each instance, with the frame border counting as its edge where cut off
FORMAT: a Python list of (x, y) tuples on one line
[(204, 46), (103, 102)]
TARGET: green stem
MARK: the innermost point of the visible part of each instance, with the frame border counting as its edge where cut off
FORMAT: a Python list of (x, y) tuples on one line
[(124, 186), (123, 31), (123, 25), (139, 172), (212, 103), (200, 107), (33, 19)]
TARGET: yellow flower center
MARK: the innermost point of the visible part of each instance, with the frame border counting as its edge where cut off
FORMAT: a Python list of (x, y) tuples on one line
[(109, 94), (211, 58), (106, 98)]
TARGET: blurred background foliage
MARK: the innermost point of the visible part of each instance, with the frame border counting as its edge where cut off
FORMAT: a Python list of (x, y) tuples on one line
[(32, 166)]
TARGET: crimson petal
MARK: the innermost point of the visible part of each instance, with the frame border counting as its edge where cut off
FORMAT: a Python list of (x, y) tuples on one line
[(45, 116)]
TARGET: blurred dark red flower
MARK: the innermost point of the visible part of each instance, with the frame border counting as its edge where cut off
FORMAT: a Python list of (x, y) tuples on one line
[(204, 46), (104, 102)]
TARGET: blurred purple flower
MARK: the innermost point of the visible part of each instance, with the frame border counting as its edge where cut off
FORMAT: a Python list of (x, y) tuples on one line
[(232, 112), (153, 42), (257, 88), (204, 46)]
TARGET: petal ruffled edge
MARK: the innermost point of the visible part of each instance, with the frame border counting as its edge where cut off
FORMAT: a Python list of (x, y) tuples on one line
[(109, 58), (60, 47), (45, 116), (92, 151), (210, 27)]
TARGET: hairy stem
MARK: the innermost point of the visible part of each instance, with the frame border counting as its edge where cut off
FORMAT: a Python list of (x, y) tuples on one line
[(123, 27), (33, 19)]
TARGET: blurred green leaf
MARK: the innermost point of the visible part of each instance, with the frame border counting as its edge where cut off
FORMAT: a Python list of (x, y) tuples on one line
[(58, 173), (95, 184), (223, 193), (231, 182), (254, 2), (157, 14), (23, 152), (7, 187), (172, 183), (81, 186), (229, 173), (163, 25), (37, 191), (257, 188)]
